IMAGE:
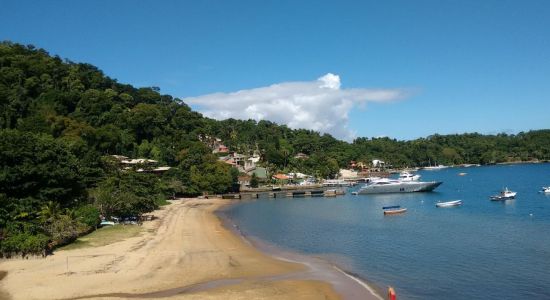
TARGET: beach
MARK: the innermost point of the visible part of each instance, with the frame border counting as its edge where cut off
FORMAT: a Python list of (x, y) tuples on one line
[(185, 253)]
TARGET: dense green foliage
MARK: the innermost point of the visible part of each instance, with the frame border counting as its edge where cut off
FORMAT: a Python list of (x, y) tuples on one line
[(60, 121), (127, 194)]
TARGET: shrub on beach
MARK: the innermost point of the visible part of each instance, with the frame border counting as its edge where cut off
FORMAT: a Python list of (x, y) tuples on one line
[(23, 243), (87, 215)]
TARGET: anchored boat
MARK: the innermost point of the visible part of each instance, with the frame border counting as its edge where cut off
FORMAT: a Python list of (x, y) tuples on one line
[(506, 194), (386, 185), (449, 203), (392, 210)]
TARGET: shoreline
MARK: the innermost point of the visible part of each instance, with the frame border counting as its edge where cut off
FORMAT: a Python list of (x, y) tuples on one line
[(346, 283), (186, 253)]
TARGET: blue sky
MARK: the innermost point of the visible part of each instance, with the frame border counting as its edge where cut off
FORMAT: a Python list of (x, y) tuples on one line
[(453, 66)]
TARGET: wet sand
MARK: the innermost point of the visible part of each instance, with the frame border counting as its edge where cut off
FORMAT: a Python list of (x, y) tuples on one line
[(186, 253)]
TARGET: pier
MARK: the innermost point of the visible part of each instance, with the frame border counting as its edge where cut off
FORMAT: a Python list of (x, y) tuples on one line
[(295, 193)]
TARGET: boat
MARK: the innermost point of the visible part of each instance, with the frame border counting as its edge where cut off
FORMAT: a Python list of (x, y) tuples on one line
[(506, 194), (449, 203), (407, 176), (392, 210), (386, 185), (336, 182), (106, 223), (546, 189), (434, 168)]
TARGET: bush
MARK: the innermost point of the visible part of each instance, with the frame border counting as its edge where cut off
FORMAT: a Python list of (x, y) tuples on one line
[(254, 181), (63, 230), (87, 215), (161, 201), (23, 243)]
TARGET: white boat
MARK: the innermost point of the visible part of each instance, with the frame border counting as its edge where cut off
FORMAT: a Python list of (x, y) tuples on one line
[(386, 185), (504, 195), (106, 223), (336, 182), (546, 189), (407, 176), (433, 168), (449, 203)]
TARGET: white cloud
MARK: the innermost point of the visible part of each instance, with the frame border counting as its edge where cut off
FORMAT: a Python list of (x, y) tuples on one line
[(320, 105)]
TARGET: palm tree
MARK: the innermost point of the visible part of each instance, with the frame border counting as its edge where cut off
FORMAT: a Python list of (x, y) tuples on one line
[(49, 211)]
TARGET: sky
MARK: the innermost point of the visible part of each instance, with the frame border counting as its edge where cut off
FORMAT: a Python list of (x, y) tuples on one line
[(402, 69)]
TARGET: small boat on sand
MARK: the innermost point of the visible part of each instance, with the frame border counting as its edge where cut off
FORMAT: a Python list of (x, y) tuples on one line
[(449, 203), (106, 223), (392, 210), (506, 194)]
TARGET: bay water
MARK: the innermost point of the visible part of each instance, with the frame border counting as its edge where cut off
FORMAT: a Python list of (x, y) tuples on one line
[(480, 250)]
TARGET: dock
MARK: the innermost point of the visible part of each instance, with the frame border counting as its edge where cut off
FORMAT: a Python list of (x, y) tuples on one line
[(319, 192)]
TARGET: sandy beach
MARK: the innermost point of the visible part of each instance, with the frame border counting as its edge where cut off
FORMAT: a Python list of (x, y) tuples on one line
[(186, 253)]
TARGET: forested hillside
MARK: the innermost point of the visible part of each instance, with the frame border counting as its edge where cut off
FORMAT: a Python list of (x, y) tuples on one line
[(60, 121)]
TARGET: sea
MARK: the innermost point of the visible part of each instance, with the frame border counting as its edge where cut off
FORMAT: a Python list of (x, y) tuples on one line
[(480, 250)]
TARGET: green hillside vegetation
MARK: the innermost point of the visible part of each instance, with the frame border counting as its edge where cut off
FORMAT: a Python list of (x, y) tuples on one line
[(61, 121)]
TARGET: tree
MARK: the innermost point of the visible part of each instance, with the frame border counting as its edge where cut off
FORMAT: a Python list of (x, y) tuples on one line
[(128, 194), (254, 181), (39, 167)]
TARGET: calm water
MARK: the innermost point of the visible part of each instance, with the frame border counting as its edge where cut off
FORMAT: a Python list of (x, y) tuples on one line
[(482, 250)]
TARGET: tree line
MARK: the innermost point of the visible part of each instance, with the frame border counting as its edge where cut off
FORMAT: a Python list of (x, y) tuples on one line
[(60, 122)]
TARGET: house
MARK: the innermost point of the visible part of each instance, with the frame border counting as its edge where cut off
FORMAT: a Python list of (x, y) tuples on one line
[(144, 164), (214, 143), (236, 160), (138, 161), (158, 170), (250, 162), (280, 177), (378, 163), (298, 175), (221, 148)]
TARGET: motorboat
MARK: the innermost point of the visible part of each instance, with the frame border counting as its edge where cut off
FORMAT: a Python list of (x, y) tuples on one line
[(449, 203), (546, 189), (393, 210), (386, 185), (506, 194), (336, 182), (407, 176), (433, 168)]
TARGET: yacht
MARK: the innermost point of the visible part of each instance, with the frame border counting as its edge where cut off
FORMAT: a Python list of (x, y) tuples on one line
[(386, 185), (504, 195)]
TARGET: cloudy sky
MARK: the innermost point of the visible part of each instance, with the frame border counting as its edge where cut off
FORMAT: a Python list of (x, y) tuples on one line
[(403, 69), (321, 104)]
